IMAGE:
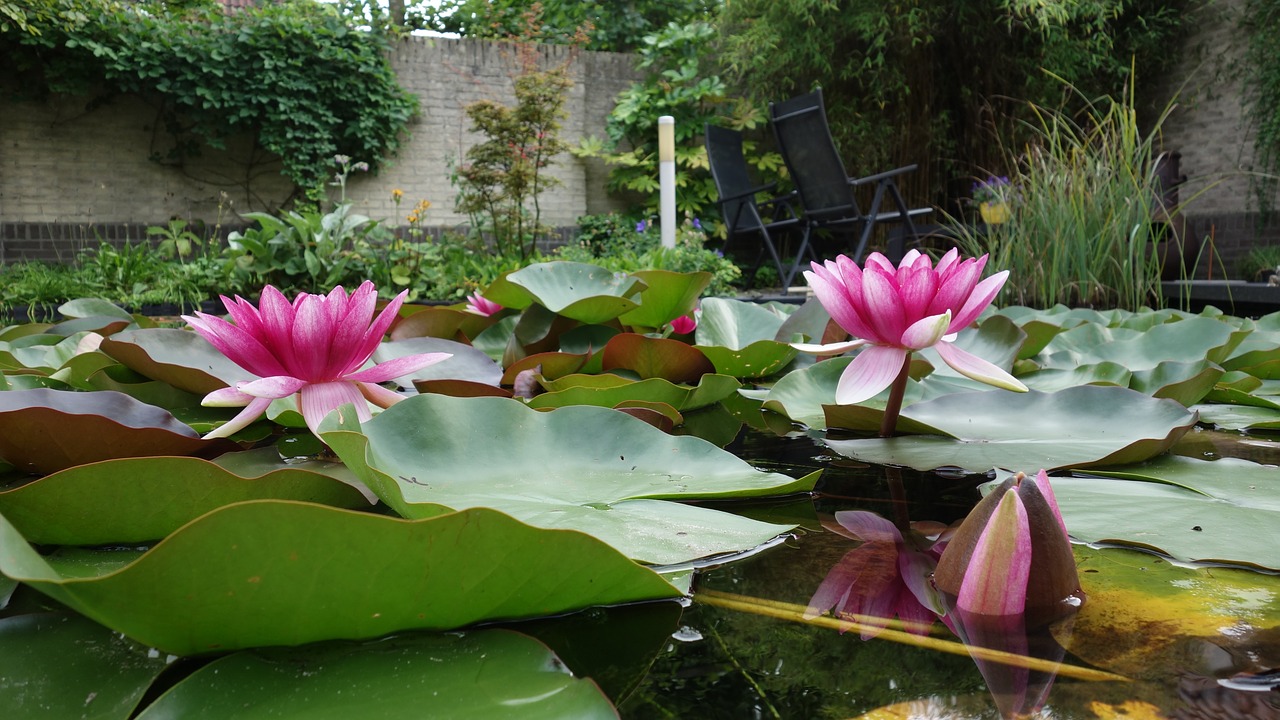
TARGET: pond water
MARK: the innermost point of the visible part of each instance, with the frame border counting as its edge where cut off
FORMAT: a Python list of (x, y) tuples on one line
[(1178, 640)]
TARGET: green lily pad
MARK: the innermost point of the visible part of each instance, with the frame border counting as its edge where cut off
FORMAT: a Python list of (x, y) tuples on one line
[(59, 665), (1029, 431), (667, 296), (478, 674), (1055, 379), (801, 395), (1196, 510), (1191, 340), (178, 357), (40, 353), (613, 390), (43, 431), (1240, 417), (90, 307), (1185, 382), (134, 500), (586, 293), (467, 362), (272, 572), (617, 486)]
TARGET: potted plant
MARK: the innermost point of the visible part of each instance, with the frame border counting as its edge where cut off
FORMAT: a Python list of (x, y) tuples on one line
[(992, 198)]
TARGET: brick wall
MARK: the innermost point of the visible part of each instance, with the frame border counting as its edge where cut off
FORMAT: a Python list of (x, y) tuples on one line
[(1208, 126), (72, 169)]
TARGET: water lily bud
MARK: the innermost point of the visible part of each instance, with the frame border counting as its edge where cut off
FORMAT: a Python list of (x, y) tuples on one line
[(1011, 555)]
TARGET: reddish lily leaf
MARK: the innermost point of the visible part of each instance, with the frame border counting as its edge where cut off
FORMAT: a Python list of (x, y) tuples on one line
[(43, 431), (181, 358), (440, 322), (656, 358), (651, 415), (460, 388), (554, 365)]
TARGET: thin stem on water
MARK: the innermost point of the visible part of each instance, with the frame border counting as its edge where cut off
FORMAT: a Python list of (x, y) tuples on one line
[(894, 407)]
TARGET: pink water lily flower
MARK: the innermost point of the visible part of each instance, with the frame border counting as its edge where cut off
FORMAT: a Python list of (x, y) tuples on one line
[(314, 347), (684, 325), (478, 304), (894, 311)]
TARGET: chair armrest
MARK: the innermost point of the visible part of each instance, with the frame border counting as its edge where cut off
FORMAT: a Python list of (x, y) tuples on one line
[(749, 193), (883, 175)]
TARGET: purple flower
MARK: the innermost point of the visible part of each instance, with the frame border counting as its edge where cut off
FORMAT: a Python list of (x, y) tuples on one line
[(641, 226), (697, 223)]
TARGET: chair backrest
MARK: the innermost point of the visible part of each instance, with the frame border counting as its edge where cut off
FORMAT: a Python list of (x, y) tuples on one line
[(729, 170), (804, 138)]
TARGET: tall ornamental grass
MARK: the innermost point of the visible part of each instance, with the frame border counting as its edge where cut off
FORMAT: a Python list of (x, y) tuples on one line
[(1081, 198)]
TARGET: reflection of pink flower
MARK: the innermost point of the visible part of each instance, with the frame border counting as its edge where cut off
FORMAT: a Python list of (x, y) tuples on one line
[(476, 303), (880, 578), (684, 325), (894, 311), (313, 347)]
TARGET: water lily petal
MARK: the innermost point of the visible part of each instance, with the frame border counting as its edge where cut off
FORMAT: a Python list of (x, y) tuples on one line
[(227, 397), (995, 582), (835, 297), (829, 348), (398, 367), (955, 285), (251, 412), (240, 347), (982, 295), (975, 368), (319, 399), (379, 395), (868, 526), (277, 386), (1042, 484), (884, 305), (926, 332), (313, 339), (872, 370)]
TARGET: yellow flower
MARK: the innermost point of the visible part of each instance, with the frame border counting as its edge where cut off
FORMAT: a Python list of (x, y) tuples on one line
[(396, 194), (413, 218)]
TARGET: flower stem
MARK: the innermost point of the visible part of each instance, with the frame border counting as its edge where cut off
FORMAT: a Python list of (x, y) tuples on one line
[(894, 406)]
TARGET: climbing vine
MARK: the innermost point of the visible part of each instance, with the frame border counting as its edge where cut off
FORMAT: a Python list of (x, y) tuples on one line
[(294, 74), (1261, 83)]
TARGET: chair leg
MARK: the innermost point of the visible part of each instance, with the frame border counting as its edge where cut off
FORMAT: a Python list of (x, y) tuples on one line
[(773, 253), (906, 214), (800, 256), (870, 225)]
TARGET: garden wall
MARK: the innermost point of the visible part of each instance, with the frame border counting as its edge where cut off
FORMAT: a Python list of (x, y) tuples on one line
[(1208, 126), (72, 170)]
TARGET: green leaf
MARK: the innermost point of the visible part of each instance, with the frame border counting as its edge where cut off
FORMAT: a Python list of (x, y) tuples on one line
[(612, 391), (1222, 511), (667, 295), (617, 487), (89, 307), (272, 572), (179, 357), (1029, 431), (478, 674), (650, 357), (1240, 417), (135, 500), (59, 665), (586, 293)]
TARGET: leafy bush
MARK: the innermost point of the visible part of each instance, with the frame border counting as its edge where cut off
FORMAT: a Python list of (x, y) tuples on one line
[(295, 74)]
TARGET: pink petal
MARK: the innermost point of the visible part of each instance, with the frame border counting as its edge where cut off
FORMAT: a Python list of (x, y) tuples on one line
[(277, 326), (975, 368), (917, 287), (834, 297), (397, 367), (995, 583), (868, 526), (239, 346), (947, 261), (227, 397), (872, 370), (1042, 484), (880, 261), (251, 412), (313, 340), (275, 387), (978, 301), (829, 348), (319, 399), (926, 332), (379, 395), (884, 304), (954, 287)]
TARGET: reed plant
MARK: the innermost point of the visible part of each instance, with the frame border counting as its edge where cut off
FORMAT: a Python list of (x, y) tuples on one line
[(1082, 197)]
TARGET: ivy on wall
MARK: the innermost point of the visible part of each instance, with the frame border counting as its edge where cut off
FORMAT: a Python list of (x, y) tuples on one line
[(1261, 83), (294, 74)]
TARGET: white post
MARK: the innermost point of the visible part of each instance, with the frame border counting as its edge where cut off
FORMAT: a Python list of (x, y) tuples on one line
[(667, 178)]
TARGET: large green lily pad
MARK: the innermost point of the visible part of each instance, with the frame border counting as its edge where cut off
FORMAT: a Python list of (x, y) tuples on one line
[(613, 390), (59, 665), (586, 293), (179, 357), (1224, 510), (1029, 431), (740, 338), (667, 295), (272, 572), (479, 674), (133, 500), (586, 468)]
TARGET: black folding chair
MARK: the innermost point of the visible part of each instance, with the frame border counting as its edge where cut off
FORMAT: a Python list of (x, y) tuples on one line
[(739, 208), (827, 193)]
